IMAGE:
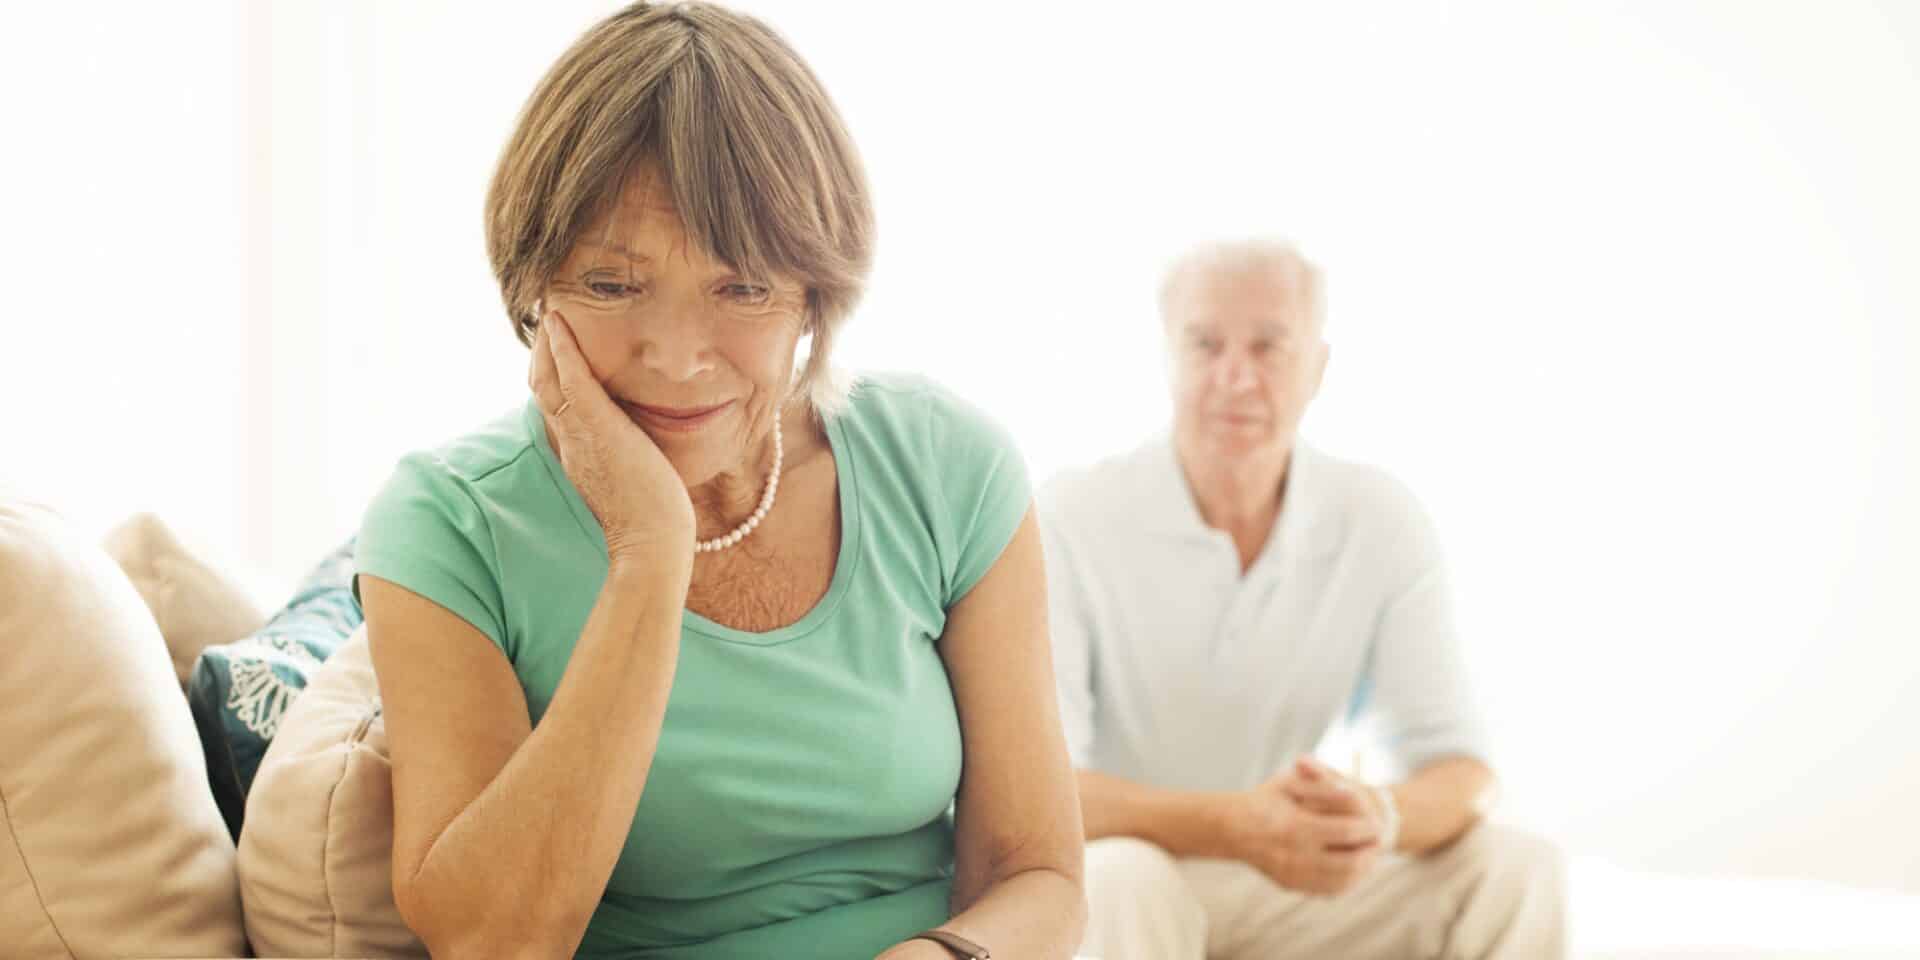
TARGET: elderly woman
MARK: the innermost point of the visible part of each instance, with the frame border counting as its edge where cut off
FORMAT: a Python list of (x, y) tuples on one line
[(701, 654)]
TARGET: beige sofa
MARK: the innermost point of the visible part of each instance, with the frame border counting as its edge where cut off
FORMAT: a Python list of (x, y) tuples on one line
[(110, 842)]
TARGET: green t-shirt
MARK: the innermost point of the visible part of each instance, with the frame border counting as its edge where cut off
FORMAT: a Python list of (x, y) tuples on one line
[(799, 802)]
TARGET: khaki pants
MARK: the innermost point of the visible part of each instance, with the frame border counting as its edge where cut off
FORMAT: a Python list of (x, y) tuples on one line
[(1495, 893)]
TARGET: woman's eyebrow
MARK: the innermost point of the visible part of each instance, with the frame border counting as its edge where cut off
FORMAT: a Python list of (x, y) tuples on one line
[(617, 248)]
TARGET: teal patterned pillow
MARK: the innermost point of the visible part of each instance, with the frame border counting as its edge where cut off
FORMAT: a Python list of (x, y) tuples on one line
[(240, 690)]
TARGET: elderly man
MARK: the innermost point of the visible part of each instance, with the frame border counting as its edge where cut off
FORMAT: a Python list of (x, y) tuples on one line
[(1220, 600)]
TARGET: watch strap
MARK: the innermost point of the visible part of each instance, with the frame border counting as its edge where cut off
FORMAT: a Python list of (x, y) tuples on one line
[(959, 946)]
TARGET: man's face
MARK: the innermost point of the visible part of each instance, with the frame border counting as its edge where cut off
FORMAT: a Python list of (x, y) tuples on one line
[(1247, 358)]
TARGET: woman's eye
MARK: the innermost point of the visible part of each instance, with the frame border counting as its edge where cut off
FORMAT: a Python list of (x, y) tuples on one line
[(746, 292), (606, 289)]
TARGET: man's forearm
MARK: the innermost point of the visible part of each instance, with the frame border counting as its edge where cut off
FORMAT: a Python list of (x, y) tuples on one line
[(1440, 802), (1181, 823)]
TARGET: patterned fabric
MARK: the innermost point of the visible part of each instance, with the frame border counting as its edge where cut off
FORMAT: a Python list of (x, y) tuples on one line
[(240, 690)]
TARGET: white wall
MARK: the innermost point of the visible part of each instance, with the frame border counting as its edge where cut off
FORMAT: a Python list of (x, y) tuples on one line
[(1628, 295), (123, 374)]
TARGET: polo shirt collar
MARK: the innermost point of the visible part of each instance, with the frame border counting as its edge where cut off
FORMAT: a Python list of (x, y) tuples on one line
[(1304, 525)]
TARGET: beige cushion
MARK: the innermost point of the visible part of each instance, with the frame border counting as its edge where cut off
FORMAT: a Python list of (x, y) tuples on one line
[(316, 856), (195, 604), (110, 844)]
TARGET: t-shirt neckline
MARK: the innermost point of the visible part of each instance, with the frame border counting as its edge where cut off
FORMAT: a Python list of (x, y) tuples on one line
[(845, 564)]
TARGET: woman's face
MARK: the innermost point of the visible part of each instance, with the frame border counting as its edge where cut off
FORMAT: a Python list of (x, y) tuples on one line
[(699, 356)]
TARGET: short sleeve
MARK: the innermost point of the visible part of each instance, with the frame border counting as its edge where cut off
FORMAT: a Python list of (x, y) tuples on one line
[(424, 531), (984, 490), (1419, 699)]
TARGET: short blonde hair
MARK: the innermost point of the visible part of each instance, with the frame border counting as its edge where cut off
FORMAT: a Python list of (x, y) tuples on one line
[(1276, 258), (758, 162)]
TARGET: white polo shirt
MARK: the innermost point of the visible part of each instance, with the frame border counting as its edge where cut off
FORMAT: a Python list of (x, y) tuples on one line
[(1177, 671)]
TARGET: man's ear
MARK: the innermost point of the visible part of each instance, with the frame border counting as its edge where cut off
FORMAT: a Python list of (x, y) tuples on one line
[(1320, 369)]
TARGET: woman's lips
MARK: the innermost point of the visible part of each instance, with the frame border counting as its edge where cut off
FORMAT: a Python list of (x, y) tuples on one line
[(676, 419)]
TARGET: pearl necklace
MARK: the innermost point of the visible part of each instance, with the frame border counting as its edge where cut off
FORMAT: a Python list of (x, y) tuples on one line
[(759, 513)]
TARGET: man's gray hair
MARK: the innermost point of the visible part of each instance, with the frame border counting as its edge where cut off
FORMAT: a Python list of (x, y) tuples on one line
[(1276, 258)]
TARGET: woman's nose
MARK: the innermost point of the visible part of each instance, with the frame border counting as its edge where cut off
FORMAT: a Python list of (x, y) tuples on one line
[(677, 347)]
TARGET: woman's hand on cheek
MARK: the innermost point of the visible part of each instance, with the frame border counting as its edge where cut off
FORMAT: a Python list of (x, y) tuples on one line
[(620, 472)]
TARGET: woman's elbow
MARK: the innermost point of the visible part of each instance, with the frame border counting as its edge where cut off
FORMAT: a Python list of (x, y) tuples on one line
[(455, 928)]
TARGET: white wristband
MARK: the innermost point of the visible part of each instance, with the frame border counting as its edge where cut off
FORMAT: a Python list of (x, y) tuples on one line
[(1389, 819)]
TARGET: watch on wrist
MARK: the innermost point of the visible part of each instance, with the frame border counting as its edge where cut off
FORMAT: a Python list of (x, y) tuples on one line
[(957, 945), (1390, 819)]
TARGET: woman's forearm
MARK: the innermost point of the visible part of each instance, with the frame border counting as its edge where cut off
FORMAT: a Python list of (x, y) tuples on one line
[(536, 847), (1036, 913)]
